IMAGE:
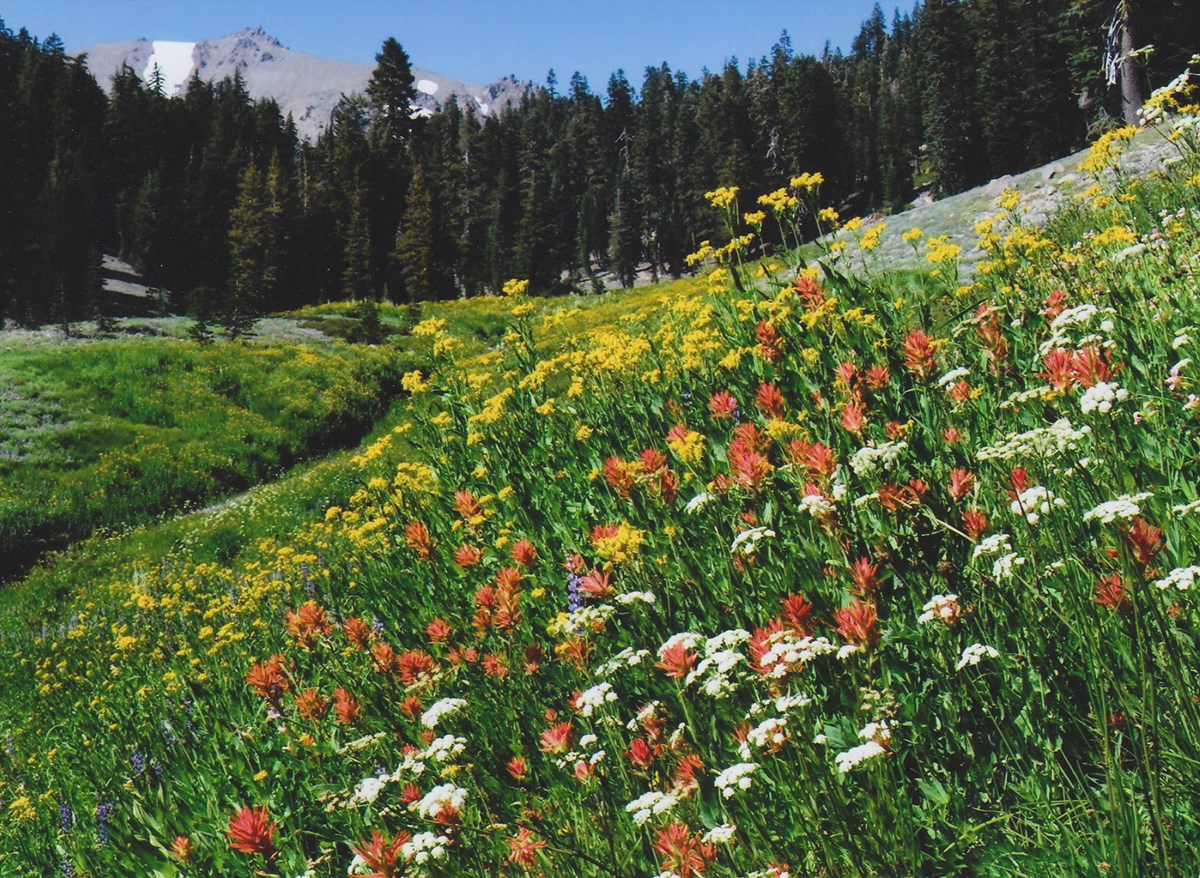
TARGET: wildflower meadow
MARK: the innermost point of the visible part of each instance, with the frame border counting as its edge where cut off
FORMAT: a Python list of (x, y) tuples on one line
[(804, 568)]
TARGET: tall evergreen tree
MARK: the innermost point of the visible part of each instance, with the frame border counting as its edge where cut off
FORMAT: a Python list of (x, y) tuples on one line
[(413, 256)]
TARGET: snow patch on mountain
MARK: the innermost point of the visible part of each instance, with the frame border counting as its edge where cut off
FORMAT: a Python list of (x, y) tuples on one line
[(174, 62), (428, 86)]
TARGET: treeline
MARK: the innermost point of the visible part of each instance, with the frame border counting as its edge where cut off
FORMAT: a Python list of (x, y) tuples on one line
[(212, 195)]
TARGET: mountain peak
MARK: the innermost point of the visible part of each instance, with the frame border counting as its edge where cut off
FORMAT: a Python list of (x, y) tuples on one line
[(306, 86), (257, 34)]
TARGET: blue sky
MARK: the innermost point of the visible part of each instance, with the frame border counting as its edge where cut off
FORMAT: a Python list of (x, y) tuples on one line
[(476, 40)]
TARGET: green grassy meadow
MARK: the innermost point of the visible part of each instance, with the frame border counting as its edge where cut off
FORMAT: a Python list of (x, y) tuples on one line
[(801, 567)]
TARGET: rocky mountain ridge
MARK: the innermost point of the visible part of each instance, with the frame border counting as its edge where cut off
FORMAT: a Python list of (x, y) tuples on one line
[(304, 85)]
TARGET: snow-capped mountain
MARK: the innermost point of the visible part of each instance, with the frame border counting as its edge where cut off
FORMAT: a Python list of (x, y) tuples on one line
[(306, 86)]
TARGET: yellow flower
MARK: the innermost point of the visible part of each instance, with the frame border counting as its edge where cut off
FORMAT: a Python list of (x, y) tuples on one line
[(778, 201), (514, 287), (689, 448), (870, 239), (806, 182), (941, 250), (912, 235), (524, 309), (432, 326), (414, 382), (1115, 235), (854, 224), (754, 219), (1008, 199), (722, 197), (584, 433), (622, 546)]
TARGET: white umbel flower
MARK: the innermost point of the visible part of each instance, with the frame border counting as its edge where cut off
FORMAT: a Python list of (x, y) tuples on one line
[(736, 777), (974, 654), (1182, 578), (439, 709)]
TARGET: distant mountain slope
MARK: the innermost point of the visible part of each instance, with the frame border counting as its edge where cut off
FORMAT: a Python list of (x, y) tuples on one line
[(306, 86)]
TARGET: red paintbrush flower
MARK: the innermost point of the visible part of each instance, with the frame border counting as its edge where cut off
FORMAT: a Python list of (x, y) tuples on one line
[(722, 406), (252, 832), (676, 661), (858, 624), (523, 848), (383, 857), (918, 354)]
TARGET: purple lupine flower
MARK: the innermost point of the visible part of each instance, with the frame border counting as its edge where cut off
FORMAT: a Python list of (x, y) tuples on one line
[(575, 595)]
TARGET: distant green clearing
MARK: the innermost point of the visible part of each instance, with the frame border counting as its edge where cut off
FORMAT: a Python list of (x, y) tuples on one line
[(109, 433)]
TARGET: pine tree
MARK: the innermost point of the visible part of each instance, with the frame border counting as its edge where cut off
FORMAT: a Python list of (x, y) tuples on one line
[(949, 101), (392, 92), (413, 255), (356, 250), (253, 255)]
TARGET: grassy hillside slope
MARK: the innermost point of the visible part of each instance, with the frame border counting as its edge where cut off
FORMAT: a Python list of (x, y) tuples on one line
[(789, 571)]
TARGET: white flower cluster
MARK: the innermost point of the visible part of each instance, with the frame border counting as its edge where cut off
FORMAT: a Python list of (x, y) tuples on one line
[(439, 709), (747, 541), (443, 749), (425, 846), (782, 704), (1182, 578), (952, 376), (1035, 502), (649, 804), (585, 619), (1124, 507), (1023, 396), (636, 597), (975, 653), (726, 833), (1004, 566), (716, 672), (855, 756), (868, 459), (1077, 316), (941, 608), (788, 653), (729, 639), (368, 791), (698, 502), (992, 545), (597, 696), (443, 797), (1041, 442), (816, 505), (1101, 397), (771, 732), (1186, 508), (735, 777), (626, 658)]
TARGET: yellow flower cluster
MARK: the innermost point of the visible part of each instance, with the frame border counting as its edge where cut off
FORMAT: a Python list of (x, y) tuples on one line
[(939, 250), (722, 197), (514, 287), (689, 448), (1106, 150), (778, 201), (872, 236), (1119, 236), (807, 182), (621, 547)]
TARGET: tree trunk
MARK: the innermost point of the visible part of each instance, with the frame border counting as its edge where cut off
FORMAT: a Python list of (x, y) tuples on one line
[(1132, 93)]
